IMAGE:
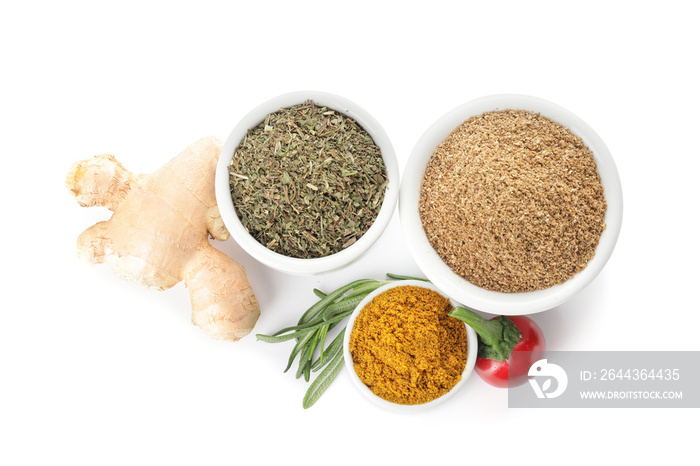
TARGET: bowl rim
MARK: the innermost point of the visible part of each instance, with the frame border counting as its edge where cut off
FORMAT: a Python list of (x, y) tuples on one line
[(459, 288), (293, 265), (472, 348)]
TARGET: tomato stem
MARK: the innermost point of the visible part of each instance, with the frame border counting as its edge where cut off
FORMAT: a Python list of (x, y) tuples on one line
[(497, 337)]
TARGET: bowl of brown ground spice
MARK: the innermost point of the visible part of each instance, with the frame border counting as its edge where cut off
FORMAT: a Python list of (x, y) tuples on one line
[(511, 204), (402, 349)]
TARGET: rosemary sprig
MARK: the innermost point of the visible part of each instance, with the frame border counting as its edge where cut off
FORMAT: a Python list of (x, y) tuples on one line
[(313, 327)]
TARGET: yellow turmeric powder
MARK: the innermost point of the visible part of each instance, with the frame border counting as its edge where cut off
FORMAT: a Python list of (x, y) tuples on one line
[(406, 348)]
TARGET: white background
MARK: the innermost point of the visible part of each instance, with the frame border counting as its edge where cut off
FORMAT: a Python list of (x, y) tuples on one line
[(95, 370)]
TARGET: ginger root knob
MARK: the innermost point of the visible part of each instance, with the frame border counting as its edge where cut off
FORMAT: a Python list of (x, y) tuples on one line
[(159, 234)]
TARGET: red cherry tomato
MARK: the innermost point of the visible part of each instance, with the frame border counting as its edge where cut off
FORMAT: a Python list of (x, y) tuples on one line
[(514, 370)]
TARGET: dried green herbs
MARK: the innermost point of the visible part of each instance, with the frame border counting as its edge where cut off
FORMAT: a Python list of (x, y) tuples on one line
[(308, 181)]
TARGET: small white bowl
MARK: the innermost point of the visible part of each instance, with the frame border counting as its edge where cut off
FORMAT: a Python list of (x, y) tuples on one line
[(472, 347), (295, 265), (457, 287)]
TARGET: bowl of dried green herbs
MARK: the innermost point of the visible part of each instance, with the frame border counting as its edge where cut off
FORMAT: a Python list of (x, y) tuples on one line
[(307, 182), (510, 204)]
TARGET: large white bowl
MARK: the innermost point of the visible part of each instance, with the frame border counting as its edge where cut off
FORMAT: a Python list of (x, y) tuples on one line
[(295, 265), (457, 287), (472, 348)]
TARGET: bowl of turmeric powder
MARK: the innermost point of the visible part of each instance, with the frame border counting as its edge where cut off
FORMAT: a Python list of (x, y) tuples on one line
[(402, 349)]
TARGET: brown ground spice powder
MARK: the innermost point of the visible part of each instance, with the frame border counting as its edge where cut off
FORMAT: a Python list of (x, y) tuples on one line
[(513, 202), (406, 348)]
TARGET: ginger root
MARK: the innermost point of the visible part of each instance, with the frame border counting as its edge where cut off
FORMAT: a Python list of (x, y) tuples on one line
[(158, 234)]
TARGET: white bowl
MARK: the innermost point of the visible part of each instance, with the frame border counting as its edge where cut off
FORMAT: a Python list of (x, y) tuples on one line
[(457, 287), (472, 348), (295, 265)]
